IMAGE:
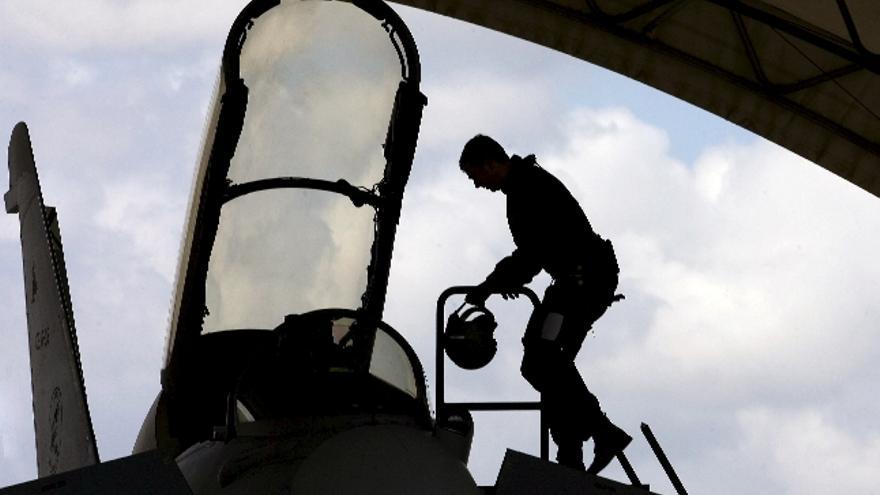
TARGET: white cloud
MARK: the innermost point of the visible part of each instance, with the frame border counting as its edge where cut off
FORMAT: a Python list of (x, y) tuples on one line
[(17, 456), (807, 453), (14, 88), (178, 76), (8, 228), (148, 216), (111, 25), (466, 103), (18, 462), (73, 73), (711, 176)]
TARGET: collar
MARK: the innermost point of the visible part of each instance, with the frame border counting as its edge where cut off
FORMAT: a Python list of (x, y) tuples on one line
[(517, 165)]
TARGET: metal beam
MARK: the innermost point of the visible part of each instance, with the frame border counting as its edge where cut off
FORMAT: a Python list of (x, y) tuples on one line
[(819, 39), (749, 47), (638, 38)]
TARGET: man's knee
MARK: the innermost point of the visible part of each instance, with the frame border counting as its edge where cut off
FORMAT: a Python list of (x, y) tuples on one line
[(534, 374), (542, 363)]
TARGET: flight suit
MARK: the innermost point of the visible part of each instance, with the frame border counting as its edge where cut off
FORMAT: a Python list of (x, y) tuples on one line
[(551, 232)]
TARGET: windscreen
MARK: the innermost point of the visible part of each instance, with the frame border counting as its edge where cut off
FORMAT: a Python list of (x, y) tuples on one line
[(389, 362), (312, 370), (321, 79)]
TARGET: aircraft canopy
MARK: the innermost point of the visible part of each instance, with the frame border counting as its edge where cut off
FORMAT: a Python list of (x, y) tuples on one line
[(317, 108), (307, 151)]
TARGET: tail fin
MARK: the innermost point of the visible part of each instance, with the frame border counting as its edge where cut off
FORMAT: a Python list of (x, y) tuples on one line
[(64, 436)]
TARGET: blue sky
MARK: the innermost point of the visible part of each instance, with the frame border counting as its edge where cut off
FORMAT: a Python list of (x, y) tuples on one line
[(748, 336)]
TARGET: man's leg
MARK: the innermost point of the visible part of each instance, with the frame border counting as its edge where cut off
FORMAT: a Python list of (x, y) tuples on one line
[(553, 339), (608, 439), (565, 402), (571, 409)]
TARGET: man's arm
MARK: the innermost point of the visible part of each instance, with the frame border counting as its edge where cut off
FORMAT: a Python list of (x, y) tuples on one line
[(509, 275)]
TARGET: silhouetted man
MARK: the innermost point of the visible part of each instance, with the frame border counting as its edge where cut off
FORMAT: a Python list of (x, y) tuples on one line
[(551, 232)]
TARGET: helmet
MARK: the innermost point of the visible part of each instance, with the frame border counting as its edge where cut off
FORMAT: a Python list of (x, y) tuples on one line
[(469, 339)]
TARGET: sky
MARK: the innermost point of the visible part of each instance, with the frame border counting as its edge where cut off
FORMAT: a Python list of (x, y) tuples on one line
[(748, 337)]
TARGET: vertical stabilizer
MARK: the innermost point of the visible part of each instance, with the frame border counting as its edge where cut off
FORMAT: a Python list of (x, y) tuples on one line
[(64, 436)]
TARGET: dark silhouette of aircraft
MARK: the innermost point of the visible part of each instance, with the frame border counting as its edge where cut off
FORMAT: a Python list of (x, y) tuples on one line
[(280, 375)]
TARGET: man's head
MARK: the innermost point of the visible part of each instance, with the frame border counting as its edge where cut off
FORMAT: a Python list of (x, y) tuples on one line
[(485, 162)]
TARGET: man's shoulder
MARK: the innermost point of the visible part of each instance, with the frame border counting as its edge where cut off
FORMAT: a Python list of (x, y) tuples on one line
[(527, 169), (540, 178)]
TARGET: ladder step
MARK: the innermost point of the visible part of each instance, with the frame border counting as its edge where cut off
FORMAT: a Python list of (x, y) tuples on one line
[(630, 472), (523, 474)]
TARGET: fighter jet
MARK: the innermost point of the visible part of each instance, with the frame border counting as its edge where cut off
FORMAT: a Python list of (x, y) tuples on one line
[(280, 375)]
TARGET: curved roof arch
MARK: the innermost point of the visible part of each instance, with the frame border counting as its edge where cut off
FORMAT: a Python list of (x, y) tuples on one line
[(805, 75)]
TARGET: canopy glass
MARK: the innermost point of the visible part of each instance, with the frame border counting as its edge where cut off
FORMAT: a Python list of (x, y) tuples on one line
[(321, 79)]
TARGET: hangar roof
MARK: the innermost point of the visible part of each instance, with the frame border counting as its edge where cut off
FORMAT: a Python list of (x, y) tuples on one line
[(805, 75)]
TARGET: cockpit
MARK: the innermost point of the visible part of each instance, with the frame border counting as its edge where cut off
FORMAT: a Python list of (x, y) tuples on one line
[(314, 356), (309, 366)]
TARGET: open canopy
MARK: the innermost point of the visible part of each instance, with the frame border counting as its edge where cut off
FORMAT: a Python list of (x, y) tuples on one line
[(805, 75), (306, 155), (318, 108)]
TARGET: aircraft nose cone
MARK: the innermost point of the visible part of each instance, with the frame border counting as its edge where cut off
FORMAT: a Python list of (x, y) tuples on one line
[(386, 459), (390, 459)]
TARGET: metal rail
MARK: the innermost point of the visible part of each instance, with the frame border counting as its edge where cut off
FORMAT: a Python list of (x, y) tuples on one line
[(442, 405), (664, 461)]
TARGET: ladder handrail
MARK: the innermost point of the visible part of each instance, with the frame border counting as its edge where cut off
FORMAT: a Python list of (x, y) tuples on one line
[(664, 461), (440, 375)]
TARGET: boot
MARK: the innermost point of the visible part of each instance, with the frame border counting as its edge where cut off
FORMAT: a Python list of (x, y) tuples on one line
[(571, 454), (609, 441)]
